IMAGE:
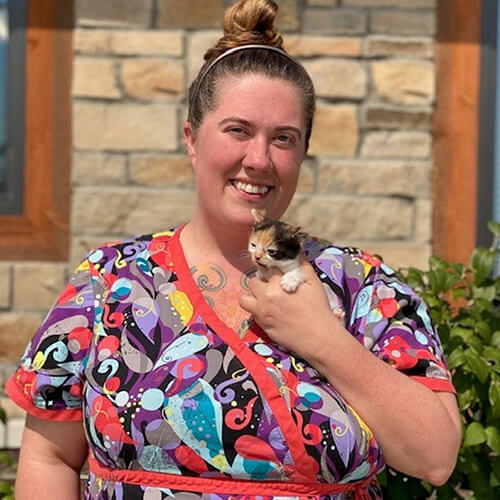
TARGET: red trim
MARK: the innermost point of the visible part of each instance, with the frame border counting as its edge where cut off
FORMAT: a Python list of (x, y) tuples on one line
[(305, 466), (435, 384), (16, 393), (220, 485)]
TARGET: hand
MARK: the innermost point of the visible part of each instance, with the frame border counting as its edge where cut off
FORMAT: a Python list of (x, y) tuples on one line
[(301, 321)]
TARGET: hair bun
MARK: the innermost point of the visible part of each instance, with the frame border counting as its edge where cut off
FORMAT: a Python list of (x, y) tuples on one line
[(246, 22)]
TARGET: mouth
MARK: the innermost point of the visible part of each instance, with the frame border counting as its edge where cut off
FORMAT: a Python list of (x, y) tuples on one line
[(257, 190)]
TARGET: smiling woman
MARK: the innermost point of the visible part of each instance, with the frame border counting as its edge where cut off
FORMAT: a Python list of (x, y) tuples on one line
[(191, 379)]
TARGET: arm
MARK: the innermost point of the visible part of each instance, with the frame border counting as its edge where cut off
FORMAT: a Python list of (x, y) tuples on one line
[(418, 429), (52, 454)]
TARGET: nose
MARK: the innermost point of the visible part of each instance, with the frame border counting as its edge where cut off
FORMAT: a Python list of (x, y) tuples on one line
[(257, 154)]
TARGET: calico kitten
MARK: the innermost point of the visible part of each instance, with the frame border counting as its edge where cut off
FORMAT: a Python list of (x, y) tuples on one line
[(276, 245)]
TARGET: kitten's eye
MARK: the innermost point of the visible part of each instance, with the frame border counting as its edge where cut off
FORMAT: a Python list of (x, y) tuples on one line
[(272, 253), (252, 245)]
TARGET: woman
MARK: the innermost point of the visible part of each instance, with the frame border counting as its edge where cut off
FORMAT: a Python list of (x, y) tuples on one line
[(185, 395)]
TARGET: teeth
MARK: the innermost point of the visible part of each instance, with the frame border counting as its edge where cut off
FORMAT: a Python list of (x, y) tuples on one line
[(251, 188)]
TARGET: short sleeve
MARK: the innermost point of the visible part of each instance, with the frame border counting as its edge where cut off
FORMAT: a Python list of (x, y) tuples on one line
[(48, 382), (394, 323)]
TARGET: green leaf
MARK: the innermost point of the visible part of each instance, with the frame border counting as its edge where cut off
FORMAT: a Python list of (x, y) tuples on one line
[(474, 434), (484, 330), (464, 333), (494, 396), (480, 369), (495, 339), (493, 438), (494, 227), (3, 416), (456, 358), (482, 263), (486, 292)]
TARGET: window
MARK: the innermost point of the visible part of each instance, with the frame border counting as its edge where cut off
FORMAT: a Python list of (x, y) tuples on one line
[(38, 229), (12, 49)]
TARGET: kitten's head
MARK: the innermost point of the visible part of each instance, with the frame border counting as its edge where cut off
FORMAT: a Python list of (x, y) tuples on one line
[(273, 243)]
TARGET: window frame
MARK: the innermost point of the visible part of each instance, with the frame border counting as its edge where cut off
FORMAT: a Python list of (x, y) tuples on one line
[(41, 231), (456, 129)]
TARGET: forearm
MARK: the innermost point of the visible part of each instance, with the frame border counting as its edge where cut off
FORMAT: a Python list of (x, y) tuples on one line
[(416, 431), (46, 481)]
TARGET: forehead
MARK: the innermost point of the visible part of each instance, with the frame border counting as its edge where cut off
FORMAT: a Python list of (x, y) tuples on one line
[(264, 237), (259, 96)]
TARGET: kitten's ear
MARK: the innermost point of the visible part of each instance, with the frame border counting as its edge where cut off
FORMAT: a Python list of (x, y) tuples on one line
[(299, 234), (258, 215)]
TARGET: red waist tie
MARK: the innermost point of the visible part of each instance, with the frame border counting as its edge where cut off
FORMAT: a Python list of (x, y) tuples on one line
[(227, 486)]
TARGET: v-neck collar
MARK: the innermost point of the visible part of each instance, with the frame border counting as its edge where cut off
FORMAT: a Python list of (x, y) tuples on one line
[(181, 269)]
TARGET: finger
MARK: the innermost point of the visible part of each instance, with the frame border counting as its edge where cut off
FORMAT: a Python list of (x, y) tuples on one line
[(248, 302)]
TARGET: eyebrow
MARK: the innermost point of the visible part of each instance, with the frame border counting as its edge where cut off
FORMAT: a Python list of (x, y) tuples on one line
[(248, 124)]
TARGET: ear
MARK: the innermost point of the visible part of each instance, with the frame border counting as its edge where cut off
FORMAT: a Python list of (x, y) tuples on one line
[(258, 215), (190, 139), (300, 235)]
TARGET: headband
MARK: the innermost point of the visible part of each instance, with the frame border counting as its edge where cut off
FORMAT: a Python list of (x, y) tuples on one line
[(237, 49)]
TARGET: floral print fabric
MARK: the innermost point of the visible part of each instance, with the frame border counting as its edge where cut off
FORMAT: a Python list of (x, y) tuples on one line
[(168, 392)]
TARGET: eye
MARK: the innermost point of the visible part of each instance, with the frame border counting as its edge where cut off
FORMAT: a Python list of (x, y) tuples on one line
[(237, 131), (285, 140), (272, 253), (252, 245)]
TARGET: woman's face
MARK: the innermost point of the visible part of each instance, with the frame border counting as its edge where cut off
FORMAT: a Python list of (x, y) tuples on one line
[(248, 150)]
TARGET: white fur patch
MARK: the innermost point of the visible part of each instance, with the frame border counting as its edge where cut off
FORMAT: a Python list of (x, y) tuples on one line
[(292, 279)]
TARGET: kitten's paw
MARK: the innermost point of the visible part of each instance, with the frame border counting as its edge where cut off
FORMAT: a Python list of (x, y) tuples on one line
[(291, 281)]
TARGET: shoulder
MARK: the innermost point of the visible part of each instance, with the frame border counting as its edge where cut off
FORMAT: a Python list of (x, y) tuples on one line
[(115, 257), (341, 263)]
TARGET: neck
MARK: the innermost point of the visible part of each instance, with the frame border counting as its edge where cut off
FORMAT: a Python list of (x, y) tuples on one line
[(217, 241)]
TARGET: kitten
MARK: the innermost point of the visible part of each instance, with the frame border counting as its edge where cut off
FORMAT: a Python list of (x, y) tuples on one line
[(276, 245)]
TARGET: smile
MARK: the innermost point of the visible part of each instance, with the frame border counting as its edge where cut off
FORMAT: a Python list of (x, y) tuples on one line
[(250, 188)]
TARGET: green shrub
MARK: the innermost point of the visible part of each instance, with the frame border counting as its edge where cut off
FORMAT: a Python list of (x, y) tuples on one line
[(465, 306)]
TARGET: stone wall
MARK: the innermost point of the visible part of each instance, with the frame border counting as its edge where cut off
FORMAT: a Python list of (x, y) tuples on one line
[(366, 181)]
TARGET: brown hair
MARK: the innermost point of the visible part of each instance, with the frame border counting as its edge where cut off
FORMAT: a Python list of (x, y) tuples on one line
[(248, 22)]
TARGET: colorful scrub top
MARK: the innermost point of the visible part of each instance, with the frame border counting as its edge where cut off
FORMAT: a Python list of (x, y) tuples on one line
[(176, 405)]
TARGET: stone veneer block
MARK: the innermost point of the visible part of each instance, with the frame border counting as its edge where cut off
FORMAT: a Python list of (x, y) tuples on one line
[(322, 3), (287, 18), (307, 177), (333, 217), (423, 220), (114, 13), (399, 254), (190, 14), (335, 130), (374, 177), (16, 330), (404, 81), (404, 144), (161, 171), (126, 127), (128, 42), (99, 169), (197, 45), (412, 4), (394, 46), (338, 78), (147, 43), (309, 46), (5, 285), (402, 22), (152, 79), (95, 77), (15, 429), (117, 211), (37, 285), (396, 117), (337, 21)]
